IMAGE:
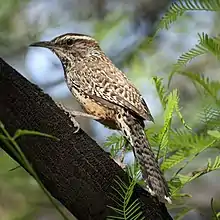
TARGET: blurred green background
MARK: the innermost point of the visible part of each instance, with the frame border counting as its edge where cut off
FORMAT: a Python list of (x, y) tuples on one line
[(122, 27)]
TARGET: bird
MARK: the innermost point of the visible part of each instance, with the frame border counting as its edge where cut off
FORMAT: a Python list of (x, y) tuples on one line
[(107, 95)]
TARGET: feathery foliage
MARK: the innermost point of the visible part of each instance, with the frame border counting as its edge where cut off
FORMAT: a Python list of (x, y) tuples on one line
[(114, 143), (127, 210), (184, 179), (171, 105), (161, 91), (184, 145), (187, 146), (210, 117), (182, 213), (209, 87), (206, 45), (179, 147), (178, 8), (215, 215)]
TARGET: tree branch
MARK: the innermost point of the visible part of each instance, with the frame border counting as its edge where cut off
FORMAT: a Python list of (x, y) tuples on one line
[(75, 170)]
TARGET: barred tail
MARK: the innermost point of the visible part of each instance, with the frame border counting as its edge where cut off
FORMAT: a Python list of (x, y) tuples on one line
[(156, 183), (134, 132)]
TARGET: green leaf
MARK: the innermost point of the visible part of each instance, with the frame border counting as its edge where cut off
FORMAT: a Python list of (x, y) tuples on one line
[(195, 152), (210, 88), (15, 150), (210, 117), (170, 107), (2, 125), (128, 210), (174, 160), (206, 45), (20, 132), (184, 179), (182, 213), (185, 146), (210, 44), (214, 133), (178, 8), (161, 91)]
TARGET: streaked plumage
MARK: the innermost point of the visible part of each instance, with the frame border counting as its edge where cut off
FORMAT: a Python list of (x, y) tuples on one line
[(104, 91)]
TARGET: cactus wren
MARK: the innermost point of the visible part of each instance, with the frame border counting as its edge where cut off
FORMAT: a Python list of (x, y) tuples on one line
[(107, 95)]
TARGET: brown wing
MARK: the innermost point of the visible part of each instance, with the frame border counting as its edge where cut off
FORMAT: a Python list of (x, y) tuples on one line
[(112, 85)]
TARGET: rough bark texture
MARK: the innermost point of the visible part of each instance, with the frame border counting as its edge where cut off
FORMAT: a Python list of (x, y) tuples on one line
[(75, 170)]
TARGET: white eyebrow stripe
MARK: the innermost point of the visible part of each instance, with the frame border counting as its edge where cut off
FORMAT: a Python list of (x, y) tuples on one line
[(81, 37)]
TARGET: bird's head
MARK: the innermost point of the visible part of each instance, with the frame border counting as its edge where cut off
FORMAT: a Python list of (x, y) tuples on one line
[(72, 47)]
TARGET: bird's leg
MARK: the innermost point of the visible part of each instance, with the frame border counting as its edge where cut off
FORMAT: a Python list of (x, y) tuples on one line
[(77, 113), (119, 160), (83, 114), (72, 114)]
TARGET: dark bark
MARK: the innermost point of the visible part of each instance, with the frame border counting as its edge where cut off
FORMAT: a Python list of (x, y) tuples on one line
[(75, 170)]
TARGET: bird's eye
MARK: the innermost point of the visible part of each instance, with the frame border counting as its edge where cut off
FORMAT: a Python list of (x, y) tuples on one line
[(69, 42)]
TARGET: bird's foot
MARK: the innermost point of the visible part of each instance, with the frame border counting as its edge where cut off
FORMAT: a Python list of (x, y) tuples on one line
[(83, 114), (120, 163), (76, 113), (75, 124), (71, 115)]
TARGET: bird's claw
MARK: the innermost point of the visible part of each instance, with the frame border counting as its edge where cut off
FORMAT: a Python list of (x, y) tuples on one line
[(75, 124), (71, 116), (120, 163)]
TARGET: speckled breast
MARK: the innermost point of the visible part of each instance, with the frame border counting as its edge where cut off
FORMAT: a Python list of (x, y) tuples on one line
[(90, 106)]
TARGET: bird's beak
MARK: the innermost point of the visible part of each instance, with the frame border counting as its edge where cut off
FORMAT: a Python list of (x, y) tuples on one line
[(46, 44)]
